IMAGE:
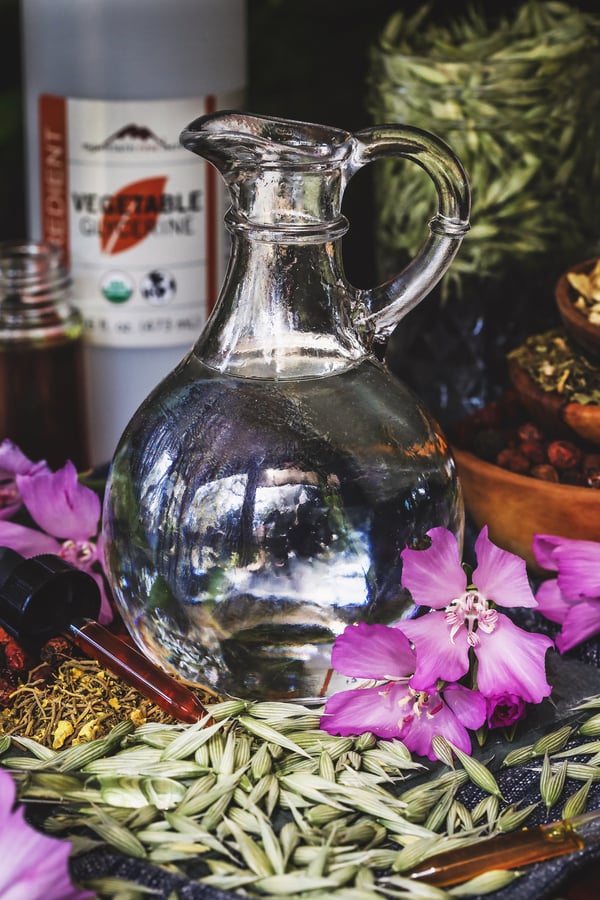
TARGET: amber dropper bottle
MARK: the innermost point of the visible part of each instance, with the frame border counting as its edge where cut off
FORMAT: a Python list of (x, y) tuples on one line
[(45, 596), (510, 851), (136, 670), (41, 365)]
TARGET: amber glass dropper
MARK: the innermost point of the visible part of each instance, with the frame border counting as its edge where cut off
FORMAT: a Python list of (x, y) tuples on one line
[(137, 670), (44, 596), (510, 851)]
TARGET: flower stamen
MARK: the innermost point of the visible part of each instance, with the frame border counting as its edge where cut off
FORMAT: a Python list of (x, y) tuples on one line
[(471, 610), (79, 553)]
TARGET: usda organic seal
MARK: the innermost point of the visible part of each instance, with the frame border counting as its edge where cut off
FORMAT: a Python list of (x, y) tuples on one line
[(117, 287)]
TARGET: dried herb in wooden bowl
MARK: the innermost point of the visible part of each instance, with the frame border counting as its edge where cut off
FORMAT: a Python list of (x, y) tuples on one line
[(587, 286), (556, 365)]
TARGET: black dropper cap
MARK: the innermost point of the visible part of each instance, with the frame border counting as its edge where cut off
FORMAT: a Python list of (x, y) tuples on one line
[(41, 596)]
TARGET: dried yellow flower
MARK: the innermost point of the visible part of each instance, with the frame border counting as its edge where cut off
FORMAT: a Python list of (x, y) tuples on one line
[(63, 730), (587, 286), (88, 732), (138, 717)]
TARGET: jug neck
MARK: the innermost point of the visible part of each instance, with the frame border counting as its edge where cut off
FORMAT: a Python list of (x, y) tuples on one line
[(285, 308), (295, 204)]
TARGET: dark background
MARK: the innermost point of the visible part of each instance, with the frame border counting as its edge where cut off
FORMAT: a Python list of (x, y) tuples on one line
[(307, 59)]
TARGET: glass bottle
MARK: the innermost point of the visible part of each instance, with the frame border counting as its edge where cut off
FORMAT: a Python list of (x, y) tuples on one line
[(261, 496), (41, 377), (106, 86)]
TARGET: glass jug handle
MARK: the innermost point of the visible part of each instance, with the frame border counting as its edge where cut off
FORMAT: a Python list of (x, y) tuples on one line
[(387, 303)]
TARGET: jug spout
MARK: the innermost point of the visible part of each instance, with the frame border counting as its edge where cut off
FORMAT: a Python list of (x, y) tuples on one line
[(279, 172), (236, 142)]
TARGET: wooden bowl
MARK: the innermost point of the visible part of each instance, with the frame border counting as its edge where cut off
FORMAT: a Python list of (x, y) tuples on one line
[(551, 411), (576, 324), (515, 507)]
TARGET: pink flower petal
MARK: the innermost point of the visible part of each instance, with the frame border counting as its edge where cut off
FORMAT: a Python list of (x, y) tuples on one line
[(504, 710), (581, 622), (469, 707), (512, 660), (578, 569), (34, 866), (14, 462), (27, 541), (543, 547), (437, 656), (373, 651), (379, 710), (434, 717), (434, 576), (105, 615), (59, 504), (551, 602), (501, 576)]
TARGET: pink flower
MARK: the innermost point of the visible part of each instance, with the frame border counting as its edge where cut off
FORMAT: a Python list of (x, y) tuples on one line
[(34, 866), (391, 708), (572, 600), (13, 462), (465, 619), (68, 514), (504, 710)]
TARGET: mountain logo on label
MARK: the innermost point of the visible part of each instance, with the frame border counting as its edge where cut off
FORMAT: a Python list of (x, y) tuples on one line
[(129, 137), (130, 214)]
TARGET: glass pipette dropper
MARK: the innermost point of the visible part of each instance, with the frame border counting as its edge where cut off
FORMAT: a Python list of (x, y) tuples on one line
[(510, 851)]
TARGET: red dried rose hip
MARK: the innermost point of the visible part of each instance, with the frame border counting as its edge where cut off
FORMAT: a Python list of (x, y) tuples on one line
[(528, 431), (513, 460), (564, 455)]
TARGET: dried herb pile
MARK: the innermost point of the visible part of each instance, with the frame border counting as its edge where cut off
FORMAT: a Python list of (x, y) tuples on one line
[(73, 704), (265, 803), (557, 365)]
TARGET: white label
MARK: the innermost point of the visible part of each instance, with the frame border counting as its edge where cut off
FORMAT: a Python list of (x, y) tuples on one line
[(139, 218)]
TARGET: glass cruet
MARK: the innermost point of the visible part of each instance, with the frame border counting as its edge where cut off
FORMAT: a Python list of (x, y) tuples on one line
[(260, 498)]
